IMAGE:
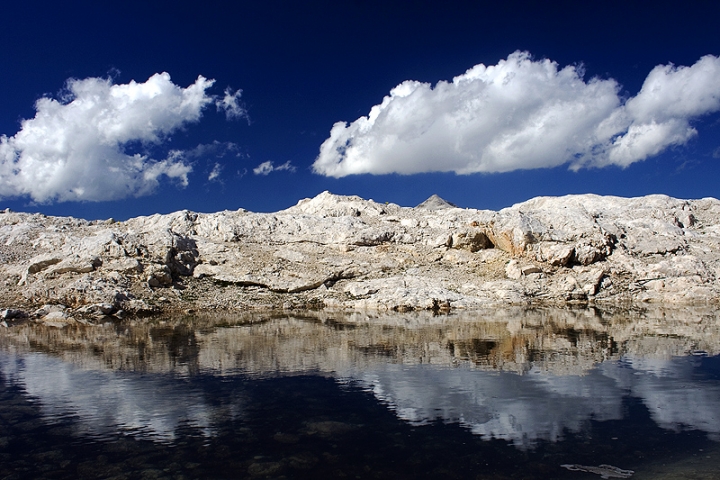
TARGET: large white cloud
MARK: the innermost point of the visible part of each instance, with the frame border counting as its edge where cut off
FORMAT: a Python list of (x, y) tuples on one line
[(76, 147), (522, 114)]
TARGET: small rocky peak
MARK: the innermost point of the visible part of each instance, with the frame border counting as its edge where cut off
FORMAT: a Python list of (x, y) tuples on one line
[(435, 202)]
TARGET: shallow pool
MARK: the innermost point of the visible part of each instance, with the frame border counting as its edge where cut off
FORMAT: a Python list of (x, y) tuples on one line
[(531, 394)]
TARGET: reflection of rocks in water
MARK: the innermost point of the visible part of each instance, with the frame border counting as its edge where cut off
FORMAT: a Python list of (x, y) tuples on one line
[(180, 342), (562, 341), (575, 365)]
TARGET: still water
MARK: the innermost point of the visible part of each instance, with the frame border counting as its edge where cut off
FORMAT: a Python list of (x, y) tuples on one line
[(502, 394)]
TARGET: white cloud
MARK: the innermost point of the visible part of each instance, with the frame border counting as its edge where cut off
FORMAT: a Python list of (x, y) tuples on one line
[(231, 105), (215, 149), (522, 114), (215, 173), (267, 168), (75, 148)]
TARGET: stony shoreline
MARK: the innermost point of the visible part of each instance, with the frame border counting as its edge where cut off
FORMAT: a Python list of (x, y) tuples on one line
[(347, 253)]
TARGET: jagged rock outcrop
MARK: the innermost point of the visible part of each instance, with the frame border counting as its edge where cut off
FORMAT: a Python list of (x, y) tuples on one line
[(350, 253)]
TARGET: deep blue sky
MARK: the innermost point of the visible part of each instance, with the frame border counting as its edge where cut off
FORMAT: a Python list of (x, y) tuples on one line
[(302, 66)]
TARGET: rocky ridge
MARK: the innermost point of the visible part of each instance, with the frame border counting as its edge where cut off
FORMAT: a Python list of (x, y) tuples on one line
[(344, 252)]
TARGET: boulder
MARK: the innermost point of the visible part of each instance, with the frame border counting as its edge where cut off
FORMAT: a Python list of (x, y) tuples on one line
[(11, 313), (159, 276), (556, 254)]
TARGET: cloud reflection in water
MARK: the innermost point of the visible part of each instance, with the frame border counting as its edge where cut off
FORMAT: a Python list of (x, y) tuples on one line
[(541, 398)]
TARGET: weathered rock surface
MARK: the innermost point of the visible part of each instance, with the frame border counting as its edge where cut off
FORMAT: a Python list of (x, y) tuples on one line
[(349, 253)]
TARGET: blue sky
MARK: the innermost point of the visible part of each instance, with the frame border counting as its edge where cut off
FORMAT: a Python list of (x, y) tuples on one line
[(107, 109)]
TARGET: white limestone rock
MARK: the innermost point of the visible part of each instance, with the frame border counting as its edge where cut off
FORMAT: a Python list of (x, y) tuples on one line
[(41, 262), (159, 276), (125, 265), (346, 252), (57, 319), (556, 254)]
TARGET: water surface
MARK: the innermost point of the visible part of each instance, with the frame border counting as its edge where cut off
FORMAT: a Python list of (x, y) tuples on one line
[(498, 394)]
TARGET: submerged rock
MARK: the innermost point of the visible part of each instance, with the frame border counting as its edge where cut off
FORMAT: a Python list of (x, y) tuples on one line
[(605, 471), (349, 253)]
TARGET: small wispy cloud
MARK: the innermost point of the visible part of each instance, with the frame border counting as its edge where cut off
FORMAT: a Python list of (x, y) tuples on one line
[(215, 149), (231, 105), (215, 173), (522, 114), (268, 167)]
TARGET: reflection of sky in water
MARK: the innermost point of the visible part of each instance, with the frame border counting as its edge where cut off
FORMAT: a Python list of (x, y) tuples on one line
[(675, 391), (105, 401), (521, 409), (517, 408), (540, 406)]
